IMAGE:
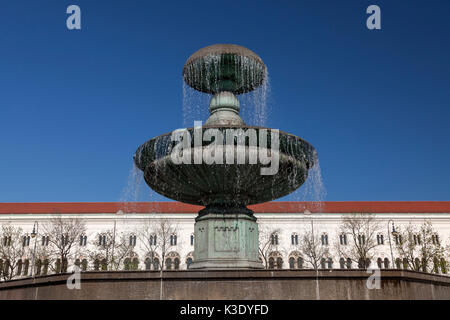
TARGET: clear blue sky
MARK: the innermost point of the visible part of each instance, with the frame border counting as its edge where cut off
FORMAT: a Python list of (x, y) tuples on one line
[(75, 105)]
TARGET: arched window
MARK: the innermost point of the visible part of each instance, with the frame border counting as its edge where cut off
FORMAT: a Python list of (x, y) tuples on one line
[(324, 239), (77, 262), (188, 262), (7, 267), (38, 267), (380, 263), (176, 264), (155, 264), (443, 266), (45, 267), (294, 239), (64, 265), (436, 265), (330, 263), (386, 263), (343, 239), (349, 263), (417, 264), (19, 267), (148, 264), (168, 264), (398, 263), (58, 266), (323, 263), (279, 263), (405, 263), (173, 239), (274, 239), (361, 263), (271, 263), (417, 239), (96, 265), (102, 239), (192, 239), (104, 264), (84, 265), (380, 239), (398, 239), (135, 264), (291, 263), (342, 263), (299, 263), (367, 263), (26, 266), (127, 264)]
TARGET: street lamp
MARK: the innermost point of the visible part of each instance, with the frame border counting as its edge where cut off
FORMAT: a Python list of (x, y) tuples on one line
[(394, 233), (34, 233)]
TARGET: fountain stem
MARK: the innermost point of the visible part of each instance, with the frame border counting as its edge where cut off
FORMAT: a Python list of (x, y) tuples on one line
[(224, 110)]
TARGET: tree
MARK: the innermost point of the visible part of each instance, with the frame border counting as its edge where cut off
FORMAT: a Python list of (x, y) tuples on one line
[(420, 247), (110, 250), (312, 249), (361, 230), (161, 230), (64, 235), (267, 245), (12, 251)]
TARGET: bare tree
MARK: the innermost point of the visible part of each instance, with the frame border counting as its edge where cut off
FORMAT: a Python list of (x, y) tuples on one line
[(267, 243), (361, 230), (420, 246), (64, 235), (110, 250), (12, 251), (162, 229), (312, 249)]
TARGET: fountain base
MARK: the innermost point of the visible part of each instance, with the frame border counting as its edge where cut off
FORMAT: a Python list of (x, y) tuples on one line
[(226, 238)]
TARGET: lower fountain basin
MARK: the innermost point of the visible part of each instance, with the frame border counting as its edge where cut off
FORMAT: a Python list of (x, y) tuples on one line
[(225, 184)]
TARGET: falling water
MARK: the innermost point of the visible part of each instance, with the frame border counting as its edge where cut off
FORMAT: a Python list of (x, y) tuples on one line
[(254, 108), (195, 106)]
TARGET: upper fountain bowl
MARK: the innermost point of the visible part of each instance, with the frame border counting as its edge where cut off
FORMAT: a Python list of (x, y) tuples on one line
[(224, 67)]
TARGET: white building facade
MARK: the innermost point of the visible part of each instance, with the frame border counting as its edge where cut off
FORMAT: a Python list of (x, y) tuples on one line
[(284, 223)]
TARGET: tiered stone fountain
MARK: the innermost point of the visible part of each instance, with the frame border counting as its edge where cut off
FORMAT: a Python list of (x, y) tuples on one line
[(226, 232)]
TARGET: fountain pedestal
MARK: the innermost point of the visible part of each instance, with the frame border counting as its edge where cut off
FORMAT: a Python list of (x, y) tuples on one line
[(226, 240)]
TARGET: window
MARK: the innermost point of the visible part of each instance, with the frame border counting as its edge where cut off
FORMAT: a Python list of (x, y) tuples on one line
[(361, 239), (323, 263), (188, 262), (435, 239), (102, 240), (380, 263), (26, 266), (274, 239), (132, 241), (417, 240), (324, 239), (45, 241), (176, 263), (148, 264), (291, 263), (19, 267), (38, 267), (192, 239), (294, 239), (135, 264), (398, 239), (443, 266), (386, 263), (7, 241), (380, 239), (349, 263), (152, 240), (84, 265), (64, 240), (398, 263), (279, 263), (299, 263), (343, 239), (26, 241), (330, 263), (271, 263), (168, 264), (173, 239), (342, 263), (83, 240)]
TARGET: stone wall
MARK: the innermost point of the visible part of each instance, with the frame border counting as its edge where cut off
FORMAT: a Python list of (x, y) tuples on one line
[(233, 284)]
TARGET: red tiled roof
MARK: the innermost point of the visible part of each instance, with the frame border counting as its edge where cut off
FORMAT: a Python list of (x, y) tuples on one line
[(268, 207)]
